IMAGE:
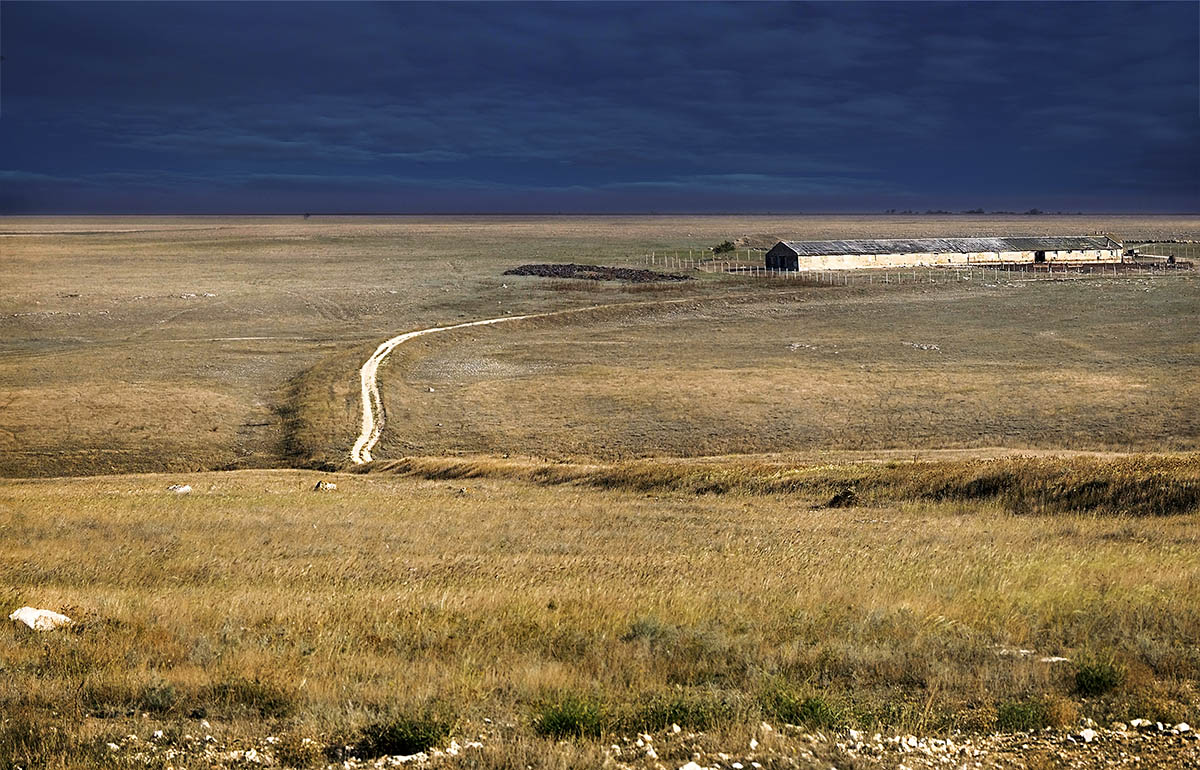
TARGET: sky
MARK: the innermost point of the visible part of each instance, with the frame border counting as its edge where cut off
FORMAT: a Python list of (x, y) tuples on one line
[(598, 107)]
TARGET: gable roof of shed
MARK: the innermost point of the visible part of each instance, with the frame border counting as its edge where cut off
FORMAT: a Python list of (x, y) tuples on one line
[(951, 245)]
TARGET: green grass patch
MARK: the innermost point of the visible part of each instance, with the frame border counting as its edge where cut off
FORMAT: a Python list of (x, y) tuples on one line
[(241, 695), (1098, 676), (570, 716), (799, 707), (1022, 716), (403, 733)]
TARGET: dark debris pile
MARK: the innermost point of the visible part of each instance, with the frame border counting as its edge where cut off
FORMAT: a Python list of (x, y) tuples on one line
[(596, 273)]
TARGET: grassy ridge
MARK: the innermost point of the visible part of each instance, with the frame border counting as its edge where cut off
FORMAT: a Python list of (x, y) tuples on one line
[(394, 607), (1133, 486)]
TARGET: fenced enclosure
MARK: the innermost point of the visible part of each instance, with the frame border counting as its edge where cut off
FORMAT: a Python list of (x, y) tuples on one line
[(744, 263), (1181, 250)]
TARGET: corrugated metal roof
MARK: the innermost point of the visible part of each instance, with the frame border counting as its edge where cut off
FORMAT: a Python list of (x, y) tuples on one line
[(951, 245)]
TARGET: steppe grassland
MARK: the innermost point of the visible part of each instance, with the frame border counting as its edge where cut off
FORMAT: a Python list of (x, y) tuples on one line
[(1101, 365), (280, 611), (272, 609), (108, 363)]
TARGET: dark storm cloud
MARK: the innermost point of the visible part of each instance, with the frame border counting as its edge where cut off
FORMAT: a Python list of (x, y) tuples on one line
[(393, 107)]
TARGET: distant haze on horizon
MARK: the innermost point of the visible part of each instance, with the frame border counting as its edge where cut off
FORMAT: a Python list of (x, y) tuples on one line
[(283, 108)]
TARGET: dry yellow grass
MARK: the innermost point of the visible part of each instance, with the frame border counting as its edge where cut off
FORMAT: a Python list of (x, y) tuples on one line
[(608, 596), (97, 307), (1091, 365), (493, 596)]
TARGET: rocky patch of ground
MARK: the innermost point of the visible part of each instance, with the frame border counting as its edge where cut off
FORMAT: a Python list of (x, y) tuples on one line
[(1140, 744)]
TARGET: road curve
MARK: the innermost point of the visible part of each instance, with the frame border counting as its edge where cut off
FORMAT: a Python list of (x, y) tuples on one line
[(372, 405), (373, 416)]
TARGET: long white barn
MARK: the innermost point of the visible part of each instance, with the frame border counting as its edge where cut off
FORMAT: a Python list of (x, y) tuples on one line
[(913, 252)]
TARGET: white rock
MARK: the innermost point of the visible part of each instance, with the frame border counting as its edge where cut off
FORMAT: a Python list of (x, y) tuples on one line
[(651, 753), (39, 620), (753, 744), (676, 728), (1139, 723), (1088, 734), (325, 486), (180, 489), (766, 728), (691, 766), (1183, 727)]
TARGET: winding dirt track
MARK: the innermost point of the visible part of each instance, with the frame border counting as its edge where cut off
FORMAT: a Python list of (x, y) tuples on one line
[(373, 416)]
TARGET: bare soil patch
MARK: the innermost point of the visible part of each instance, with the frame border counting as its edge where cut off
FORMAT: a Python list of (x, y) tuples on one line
[(596, 273)]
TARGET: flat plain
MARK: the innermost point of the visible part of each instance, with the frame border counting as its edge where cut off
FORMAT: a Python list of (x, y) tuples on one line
[(715, 504)]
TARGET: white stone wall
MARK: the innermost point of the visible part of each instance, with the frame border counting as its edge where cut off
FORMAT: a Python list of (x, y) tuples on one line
[(856, 261)]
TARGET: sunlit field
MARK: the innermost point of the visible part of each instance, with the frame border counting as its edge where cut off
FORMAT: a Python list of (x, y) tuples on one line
[(733, 519)]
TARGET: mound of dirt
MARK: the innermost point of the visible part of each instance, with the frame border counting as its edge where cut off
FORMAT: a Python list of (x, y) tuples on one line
[(596, 273)]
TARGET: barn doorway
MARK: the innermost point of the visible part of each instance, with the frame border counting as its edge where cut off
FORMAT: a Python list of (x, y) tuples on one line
[(1039, 256)]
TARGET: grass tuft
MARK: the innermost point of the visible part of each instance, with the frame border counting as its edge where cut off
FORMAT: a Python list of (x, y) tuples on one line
[(1098, 676), (403, 734), (570, 716), (813, 710), (239, 694), (1022, 716)]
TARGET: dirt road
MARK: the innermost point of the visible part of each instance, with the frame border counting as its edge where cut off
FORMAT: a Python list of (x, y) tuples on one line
[(373, 415)]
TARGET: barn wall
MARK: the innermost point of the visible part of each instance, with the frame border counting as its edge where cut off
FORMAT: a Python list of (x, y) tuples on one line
[(857, 261)]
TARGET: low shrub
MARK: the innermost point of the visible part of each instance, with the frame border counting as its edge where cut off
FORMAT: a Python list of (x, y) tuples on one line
[(253, 695), (1098, 676), (800, 708), (697, 712), (1021, 716), (570, 716), (158, 697), (403, 734)]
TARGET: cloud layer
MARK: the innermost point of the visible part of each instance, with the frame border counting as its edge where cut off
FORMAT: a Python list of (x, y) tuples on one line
[(599, 107)]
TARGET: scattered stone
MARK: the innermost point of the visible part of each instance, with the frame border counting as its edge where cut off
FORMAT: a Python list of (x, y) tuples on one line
[(40, 620), (1087, 734), (1183, 727)]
